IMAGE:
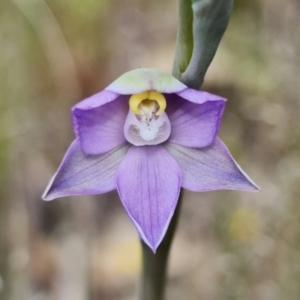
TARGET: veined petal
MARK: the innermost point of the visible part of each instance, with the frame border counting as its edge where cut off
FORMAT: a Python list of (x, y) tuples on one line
[(210, 168), (96, 100), (148, 182), (81, 174), (101, 129), (194, 125), (198, 97), (140, 80)]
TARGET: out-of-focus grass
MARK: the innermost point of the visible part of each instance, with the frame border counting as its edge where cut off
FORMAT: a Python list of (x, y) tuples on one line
[(229, 245)]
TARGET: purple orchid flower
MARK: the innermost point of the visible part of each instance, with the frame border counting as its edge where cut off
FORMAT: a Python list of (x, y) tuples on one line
[(147, 135)]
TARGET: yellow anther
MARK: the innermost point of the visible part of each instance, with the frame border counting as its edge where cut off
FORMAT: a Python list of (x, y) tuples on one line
[(160, 99), (147, 101), (135, 100), (148, 106)]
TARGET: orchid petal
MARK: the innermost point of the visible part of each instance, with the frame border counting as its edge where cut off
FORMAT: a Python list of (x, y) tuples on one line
[(96, 100), (81, 174), (210, 168), (198, 97), (140, 80), (100, 129), (148, 182), (194, 125)]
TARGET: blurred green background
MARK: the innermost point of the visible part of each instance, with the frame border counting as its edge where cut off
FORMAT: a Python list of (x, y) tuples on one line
[(229, 245)]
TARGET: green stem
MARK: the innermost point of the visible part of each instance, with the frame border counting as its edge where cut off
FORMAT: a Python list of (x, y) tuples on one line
[(201, 26), (155, 264), (184, 41)]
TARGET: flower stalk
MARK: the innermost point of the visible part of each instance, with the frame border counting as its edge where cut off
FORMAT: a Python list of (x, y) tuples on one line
[(201, 26)]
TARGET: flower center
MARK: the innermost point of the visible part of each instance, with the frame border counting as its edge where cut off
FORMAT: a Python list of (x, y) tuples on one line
[(147, 122), (138, 102)]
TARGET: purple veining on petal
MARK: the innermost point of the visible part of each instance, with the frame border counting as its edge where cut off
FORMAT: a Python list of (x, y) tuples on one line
[(194, 125), (96, 100), (81, 174), (101, 129), (210, 168), (199, 97), (148, 182)]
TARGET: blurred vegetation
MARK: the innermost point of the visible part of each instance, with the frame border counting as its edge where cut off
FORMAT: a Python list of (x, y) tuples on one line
[(230, 245)]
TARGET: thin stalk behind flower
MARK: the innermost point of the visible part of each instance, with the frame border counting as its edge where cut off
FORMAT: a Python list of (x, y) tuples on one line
[(198, 38)]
